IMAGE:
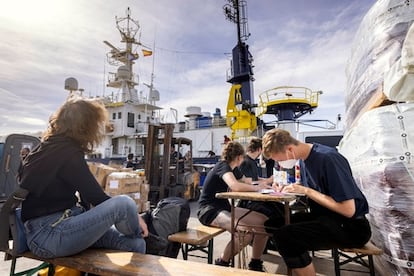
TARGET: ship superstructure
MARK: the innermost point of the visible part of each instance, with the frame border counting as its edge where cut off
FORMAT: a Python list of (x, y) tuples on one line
[(130, 111)]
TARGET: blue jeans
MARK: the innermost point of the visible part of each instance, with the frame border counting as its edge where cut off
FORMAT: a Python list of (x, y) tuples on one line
[(113, 224)]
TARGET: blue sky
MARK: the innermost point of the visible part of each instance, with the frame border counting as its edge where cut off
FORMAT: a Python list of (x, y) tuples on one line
[(300, 43)]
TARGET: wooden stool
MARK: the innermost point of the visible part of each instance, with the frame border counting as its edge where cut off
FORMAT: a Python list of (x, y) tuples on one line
[(200, 238), (368, 250)]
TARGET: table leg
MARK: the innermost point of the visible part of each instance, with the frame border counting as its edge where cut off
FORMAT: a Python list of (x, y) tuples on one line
[(287, 213), (287, 221), (233, 249)]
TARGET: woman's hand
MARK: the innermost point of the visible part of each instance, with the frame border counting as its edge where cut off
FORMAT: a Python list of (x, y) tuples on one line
[(143, 226)]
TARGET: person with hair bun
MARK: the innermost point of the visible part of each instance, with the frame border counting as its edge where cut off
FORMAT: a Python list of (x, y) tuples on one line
[(216, 212), (57, 222)]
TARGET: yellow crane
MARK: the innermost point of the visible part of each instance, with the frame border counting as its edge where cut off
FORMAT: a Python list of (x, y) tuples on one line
[(241, 120)]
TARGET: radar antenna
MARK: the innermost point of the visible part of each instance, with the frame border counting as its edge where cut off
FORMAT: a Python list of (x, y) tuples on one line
[(236, 12)]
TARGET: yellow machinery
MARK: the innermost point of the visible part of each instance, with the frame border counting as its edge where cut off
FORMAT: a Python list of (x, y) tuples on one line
[(240, 117), (242, 121), (287, 103)]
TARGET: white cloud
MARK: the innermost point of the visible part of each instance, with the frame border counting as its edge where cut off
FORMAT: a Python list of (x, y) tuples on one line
[(44, 42)]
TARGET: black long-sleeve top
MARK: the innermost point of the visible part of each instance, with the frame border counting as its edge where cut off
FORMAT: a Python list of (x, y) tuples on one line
[(53, 172)]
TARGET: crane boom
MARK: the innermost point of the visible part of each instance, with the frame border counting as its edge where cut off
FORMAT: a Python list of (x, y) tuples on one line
[(241, 97)]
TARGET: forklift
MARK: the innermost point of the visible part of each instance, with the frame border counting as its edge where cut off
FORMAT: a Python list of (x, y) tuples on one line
[(168, 172)]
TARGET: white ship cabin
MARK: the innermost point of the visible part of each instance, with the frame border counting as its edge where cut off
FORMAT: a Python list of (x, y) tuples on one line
[(129, 121)]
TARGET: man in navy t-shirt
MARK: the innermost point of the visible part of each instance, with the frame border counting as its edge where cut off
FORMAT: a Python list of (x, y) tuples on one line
[(337, 205)]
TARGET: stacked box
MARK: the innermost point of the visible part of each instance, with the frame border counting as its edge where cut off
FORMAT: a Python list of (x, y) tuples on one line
[(120, 183), (145, 206), (137, 198), (123, 181), (131, 184), (100, 172), (145, 188)]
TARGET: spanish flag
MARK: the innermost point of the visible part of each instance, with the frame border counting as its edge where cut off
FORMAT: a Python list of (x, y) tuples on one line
[(146, 53)]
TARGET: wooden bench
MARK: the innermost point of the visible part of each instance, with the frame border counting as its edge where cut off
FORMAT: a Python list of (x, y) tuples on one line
[(111, 262), (368, 250), (200, 238)]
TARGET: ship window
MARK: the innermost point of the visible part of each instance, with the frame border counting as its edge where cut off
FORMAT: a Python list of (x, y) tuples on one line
[(115, 143), (119, 115), (131, 119), (330, 140), (113, 116)]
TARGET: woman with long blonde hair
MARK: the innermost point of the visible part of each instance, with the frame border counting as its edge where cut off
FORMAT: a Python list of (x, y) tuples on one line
[(58, 224)]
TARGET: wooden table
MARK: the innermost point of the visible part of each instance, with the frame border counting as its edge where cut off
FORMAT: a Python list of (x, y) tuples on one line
[(107, 262), (255, 196)]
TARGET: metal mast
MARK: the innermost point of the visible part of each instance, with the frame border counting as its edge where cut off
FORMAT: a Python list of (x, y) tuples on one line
[(241, 65)]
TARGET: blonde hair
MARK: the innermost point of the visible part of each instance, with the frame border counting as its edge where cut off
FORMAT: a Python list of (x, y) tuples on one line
[(82, 120), (276, 140), (231, 151)]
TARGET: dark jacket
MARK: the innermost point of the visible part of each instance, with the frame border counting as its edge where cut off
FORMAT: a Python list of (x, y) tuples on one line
[(52, 173)]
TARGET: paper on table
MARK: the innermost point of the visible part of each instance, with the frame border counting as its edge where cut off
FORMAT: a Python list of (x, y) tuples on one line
[(266, 191)]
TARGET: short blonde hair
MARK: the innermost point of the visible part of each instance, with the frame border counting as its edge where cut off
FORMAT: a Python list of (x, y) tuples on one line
[(276, 140), (83, 120)]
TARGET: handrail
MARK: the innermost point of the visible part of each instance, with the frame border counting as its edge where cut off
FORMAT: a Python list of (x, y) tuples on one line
[(288, 94)]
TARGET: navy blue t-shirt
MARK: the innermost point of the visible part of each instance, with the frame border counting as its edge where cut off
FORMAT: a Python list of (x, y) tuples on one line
[(329, 173), (249, 168), (209, 205)]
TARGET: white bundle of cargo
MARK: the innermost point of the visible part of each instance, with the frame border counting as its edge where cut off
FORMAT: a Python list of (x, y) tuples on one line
[(399, 80), (380, 148), (376, 48)]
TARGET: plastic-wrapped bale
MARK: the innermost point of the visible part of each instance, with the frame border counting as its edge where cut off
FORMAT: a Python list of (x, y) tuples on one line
[(379, 148), (399, 81), (376, 47)]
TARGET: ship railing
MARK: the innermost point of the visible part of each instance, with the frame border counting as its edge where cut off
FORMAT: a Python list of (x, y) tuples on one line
[(288, 94), (113, 77)]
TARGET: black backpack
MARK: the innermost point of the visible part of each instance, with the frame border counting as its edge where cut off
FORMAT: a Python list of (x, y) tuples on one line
[(170, 216)]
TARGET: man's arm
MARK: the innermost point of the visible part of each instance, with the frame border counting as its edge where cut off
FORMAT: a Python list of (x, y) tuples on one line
[(345, 208)]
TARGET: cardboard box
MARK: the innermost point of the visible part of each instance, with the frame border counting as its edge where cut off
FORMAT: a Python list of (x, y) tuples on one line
[(137, 198), (100, 172), (145, 188), (122, 183), (145, 206)]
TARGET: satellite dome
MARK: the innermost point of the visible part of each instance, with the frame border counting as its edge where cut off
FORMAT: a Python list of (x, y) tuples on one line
[(71, 84), (123, 72), (154, 95), (193, 111)]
